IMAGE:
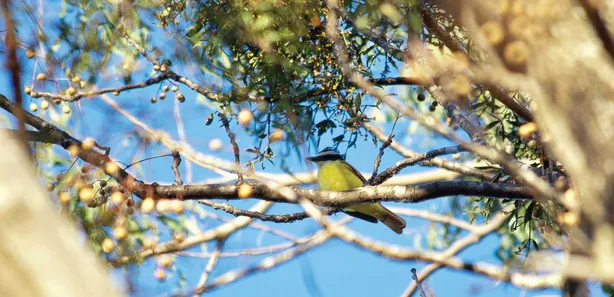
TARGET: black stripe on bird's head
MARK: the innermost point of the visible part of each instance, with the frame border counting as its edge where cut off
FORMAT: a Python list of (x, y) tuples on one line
[(327, 154)]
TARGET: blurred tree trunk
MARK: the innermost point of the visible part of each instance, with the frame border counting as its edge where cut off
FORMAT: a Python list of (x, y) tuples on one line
[(40, 250)]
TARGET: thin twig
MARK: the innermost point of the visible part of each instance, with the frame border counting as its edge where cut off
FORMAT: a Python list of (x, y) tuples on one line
[(477, 233), (210, 265), (98, 92), (378, 160), (175, 166), (442, 163), (289, 218), (415, 278), (233, 142), (388, 173)]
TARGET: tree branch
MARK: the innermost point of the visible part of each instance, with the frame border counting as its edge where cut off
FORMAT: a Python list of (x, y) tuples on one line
[(289, 218)]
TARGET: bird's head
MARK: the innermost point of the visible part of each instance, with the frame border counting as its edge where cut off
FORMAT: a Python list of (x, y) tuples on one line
[(326, 155)]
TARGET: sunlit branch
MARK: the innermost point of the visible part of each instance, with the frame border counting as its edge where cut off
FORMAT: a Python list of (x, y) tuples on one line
[(221, 231), (289, 218), (476, 234), (93, 93), (407, 153), (394, 170)]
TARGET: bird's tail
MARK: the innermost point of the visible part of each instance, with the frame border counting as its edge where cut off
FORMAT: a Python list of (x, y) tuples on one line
[(390, 219)]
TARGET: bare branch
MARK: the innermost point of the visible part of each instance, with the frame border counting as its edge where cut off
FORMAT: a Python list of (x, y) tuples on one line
[(417, 282), (233, 142), (394, 170), (210, 265), (221, 231), (176, 162), (95, 93), (378, 160), (407, 153), (289, 218)]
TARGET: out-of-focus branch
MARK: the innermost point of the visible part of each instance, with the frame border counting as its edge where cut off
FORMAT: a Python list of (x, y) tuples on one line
[(64, 267), (266, 264), (233, 142), (221, 231), (211, 264), (476, 234), (601, 29), (434, 27), (12, 63)]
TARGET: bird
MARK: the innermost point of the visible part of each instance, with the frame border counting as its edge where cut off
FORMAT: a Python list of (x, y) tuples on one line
[(335, 174)]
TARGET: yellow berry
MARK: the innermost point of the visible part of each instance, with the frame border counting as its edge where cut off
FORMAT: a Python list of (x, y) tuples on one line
[(116, 93), (148, 205), (44, 104), (27, 90), (64, 198), (156, 67), (71, 91), (516, 53), (87, 194), (179, 237), (88, 143), (163, 68), (74, 150), (527, 129), (82, 84), (456, 156), (75, 79), (33, 107), (177, 206), (493, 31), (111, 167), (163, 206), (215, 144), (245, 191), (160, 274), (29, 54), (162, 96), (174, 88), (41, 76), (180, 97), (108, 245), (165, 88), (66, 109), (276, 135), (117, 197), (165, 261), (120, 232), (244, 117)]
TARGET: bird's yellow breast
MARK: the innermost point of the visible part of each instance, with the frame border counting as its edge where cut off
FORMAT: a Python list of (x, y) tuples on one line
[(336, 176)]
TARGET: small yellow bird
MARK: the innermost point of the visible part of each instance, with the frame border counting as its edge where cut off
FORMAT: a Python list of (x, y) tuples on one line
[(335, 174)]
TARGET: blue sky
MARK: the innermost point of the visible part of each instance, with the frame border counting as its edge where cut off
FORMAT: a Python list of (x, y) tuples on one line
[(333, 269)]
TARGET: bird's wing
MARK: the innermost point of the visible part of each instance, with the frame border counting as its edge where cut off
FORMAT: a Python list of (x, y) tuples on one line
[(355, 171)]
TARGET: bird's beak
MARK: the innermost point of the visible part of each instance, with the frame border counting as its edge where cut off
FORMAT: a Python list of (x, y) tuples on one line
[(312, 159)]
